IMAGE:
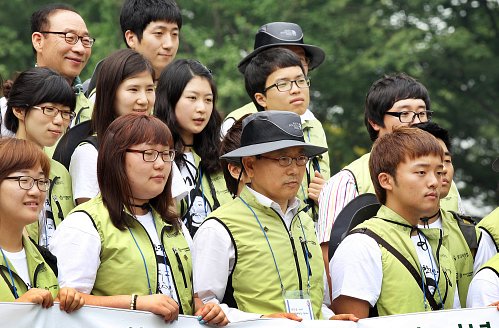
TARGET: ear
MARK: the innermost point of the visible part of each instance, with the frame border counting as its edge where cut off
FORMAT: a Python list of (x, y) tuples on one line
[(37, 41), (131, 39), (386, 181), (249, 163), (19, 113), (261, 99), (234, 170), (375, 126)]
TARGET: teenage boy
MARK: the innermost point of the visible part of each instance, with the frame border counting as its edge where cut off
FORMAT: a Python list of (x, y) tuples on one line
[(387, 261), (61, 41), (258, 253)]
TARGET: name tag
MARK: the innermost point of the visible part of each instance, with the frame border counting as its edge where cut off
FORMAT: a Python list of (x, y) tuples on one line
[(299, 303)]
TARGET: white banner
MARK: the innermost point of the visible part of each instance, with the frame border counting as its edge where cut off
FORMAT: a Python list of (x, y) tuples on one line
[(22, 315)]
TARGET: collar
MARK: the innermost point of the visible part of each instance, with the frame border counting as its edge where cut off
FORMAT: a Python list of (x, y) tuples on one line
[(307, 116), (293, 205)]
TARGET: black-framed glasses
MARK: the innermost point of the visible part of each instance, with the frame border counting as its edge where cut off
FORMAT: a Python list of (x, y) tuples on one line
[(150, 155), (53, 111), (410, 116), (284, 86), (26, 182), (72, 38), (286, 160)]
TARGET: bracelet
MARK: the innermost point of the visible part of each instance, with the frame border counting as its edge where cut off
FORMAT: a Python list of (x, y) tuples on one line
[(133, 302)]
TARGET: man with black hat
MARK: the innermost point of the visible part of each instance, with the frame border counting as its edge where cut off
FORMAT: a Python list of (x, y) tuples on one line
[(258, 253)]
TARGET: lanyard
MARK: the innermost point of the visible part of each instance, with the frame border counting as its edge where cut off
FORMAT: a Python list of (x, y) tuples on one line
[(14, 290), (423, 275), (144, 260), (272, 251)]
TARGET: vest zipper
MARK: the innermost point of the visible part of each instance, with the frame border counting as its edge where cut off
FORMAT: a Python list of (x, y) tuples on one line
[(181, 310), (305, 251), (180, 265)]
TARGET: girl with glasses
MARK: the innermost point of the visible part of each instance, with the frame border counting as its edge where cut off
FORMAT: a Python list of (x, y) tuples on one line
[(39, 109), (186, 97), (125, 84), (126, 248), (25, 274)]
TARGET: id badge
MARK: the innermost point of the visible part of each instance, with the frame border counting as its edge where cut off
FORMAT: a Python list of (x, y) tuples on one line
[(299, 303)]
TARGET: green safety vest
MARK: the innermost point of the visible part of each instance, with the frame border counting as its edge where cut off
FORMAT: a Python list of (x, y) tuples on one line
[(492, 264), (122, 270), (400, 291), (254, 279), (360, 170), (60, 195), (490, 224), (40, 274)]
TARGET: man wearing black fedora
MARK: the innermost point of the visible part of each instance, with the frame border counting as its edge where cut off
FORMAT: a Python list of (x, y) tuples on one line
[(258, 253)]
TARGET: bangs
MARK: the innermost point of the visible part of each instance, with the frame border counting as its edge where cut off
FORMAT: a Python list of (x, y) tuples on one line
[(137, 129), (55, 89), (18, 154)]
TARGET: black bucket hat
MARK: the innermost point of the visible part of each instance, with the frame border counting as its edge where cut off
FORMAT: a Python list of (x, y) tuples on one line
[(272, 130), (282, 34)]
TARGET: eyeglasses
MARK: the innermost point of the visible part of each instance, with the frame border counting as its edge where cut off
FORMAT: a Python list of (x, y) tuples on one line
[(72, 38), (283, 86), (410, 116), (150, 155), (54, 111), (27, 182), (286, 160)]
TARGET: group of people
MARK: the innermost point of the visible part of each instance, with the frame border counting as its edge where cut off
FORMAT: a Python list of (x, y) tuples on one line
[(142, 197)]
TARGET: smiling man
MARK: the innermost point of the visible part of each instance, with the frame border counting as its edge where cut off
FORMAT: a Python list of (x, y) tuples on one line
[(61, 41)]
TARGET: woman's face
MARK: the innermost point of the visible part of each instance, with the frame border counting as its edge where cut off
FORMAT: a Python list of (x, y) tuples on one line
[(39, 126), (135, 94), (147, 179), (19, 207), (193, 109)]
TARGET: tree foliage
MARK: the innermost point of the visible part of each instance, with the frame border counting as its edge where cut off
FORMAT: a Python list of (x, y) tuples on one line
[(450, 46)]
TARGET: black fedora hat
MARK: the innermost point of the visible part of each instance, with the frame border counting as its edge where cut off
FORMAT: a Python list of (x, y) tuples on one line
[(272, 130), (282, 34)]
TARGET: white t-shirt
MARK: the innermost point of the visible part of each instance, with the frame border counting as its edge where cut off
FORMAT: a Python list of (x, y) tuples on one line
[(46, 224), (484, 289), (486, 250), (83, 171), (77, 245), (20, 264)]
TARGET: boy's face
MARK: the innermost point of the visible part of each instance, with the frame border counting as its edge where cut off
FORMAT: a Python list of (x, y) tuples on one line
[(295, 100), (448, 170), (414, 105), (159, 43), (414, 191)]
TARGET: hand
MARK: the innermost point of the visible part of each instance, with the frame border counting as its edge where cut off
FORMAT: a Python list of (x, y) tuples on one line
[(37, 296), (344, 317), (496, 304), (70, 300), (315, 187), (159, 304), (283, 315), (211, 313)]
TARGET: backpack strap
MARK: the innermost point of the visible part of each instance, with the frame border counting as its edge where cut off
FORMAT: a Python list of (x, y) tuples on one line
[(415, 274)]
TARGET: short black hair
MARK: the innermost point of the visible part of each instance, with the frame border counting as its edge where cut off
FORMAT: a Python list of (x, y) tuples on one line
[(40, 18), (387, 91), (137, 14), (265, 63), (437, 131)]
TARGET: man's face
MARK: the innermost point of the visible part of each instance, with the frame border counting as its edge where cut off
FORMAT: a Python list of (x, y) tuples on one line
[(52, 49), (414, 105), (159, 43), (268, 177), (300, 52), (448, 170), (414, 191), (295, 100)]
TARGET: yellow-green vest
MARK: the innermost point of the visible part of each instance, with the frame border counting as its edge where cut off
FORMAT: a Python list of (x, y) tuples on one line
[(492, 264), (122, 270), (455, 242), (40, 274), (254, 279), (60, 195), (400, 292), (360, 170), (490, 224)]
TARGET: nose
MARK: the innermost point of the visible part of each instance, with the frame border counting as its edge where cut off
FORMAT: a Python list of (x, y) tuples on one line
[(35, 191), (142, 98), (294, 87), (201, 106), (58, 120), (78, 47), (167, 41)]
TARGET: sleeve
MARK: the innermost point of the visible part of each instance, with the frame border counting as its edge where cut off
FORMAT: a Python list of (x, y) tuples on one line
[(484, 289), (356, 269), (179, 188), (486, 250), (226, 125), (83, 171), (76, 244), (335, 195), (213, 258)]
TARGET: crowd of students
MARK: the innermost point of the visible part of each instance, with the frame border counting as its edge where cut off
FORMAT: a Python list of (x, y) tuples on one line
[(162, 206)]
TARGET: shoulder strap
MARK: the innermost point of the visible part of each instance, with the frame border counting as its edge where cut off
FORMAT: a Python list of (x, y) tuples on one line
[(467, 229), (48, 257), (415, 274), (216, 203), (92, 140)]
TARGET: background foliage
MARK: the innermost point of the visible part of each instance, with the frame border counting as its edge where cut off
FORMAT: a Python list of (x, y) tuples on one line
[(450, 46)]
